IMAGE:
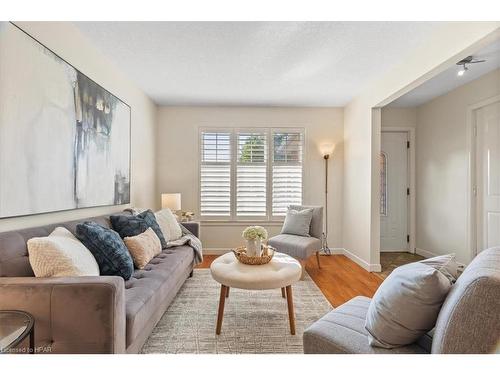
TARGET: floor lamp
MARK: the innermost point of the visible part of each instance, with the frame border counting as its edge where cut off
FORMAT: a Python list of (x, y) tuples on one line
[(326, 150)]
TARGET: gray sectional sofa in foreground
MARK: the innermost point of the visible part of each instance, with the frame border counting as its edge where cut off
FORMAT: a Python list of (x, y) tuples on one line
[(102, 314), (469, 320)]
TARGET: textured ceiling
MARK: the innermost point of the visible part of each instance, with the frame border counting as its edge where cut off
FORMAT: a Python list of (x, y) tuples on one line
[(449, 80), (255, 63)]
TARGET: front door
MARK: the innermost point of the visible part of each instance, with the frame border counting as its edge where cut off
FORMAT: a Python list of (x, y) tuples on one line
[(488, 176), (393, 192)]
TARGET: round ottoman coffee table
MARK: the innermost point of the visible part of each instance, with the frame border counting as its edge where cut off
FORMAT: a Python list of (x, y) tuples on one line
[(280, 273)]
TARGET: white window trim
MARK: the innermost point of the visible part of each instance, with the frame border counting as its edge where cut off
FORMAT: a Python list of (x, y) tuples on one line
[(232, 218)]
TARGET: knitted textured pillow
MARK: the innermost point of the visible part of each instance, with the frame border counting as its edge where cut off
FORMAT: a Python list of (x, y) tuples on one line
[(143, 247), (60, 255), (108, 249)]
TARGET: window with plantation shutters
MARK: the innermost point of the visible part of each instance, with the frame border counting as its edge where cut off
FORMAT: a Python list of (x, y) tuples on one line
[(215, 174), (286, 170), (250, 174)]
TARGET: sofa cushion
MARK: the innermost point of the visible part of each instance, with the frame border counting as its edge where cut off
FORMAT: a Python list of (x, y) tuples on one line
[(60, 254), (108, 249), (14, 252), (130, 226), (407, 303), (295, 246), (342, 331), (297, 222), (169, 225), (154, 286), (143, 247), (316, 227), (469, 321)]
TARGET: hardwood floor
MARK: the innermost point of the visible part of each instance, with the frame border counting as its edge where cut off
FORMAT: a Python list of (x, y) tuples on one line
[(339, 278)]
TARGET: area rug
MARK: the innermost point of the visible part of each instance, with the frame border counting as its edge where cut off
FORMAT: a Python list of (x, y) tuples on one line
[(254, 321)]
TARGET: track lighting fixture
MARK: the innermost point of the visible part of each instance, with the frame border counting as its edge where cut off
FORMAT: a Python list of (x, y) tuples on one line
[(464, 62)]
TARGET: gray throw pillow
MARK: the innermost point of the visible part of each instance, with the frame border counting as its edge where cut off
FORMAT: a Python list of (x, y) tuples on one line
[(298, 222), (408, 302)]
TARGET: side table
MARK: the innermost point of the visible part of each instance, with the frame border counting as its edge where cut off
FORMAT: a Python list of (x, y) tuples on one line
[(14, 327)]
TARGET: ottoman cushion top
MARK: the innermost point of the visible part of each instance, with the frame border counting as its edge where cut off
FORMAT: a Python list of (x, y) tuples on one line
[(282, 271)]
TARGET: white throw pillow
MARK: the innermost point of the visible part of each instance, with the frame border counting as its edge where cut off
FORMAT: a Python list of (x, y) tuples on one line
[(61, 254), (408, 302), (168, 224)]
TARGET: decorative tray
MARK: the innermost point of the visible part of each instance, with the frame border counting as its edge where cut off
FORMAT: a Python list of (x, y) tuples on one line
[(266, 256)]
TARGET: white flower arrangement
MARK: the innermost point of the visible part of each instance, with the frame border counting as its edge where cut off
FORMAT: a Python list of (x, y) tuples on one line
[(254, 233)]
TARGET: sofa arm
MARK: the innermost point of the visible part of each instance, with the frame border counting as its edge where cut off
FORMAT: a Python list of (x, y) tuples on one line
[(72, 314), (193, 227)]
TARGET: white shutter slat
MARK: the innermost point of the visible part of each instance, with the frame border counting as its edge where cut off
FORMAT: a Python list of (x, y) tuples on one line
[(215, 174), (286, 170), (251, 174)]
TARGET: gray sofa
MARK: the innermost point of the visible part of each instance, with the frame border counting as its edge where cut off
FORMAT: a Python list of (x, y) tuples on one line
[(469, 320), (103, 314)]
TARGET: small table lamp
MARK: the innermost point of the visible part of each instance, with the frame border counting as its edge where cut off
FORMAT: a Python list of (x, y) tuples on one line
[(172, 201)]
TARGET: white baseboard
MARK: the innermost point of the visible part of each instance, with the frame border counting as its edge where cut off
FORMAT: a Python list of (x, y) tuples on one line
[(367, 266), (430, 254), (425, 253), (223, 250), (216, 250), (335, 251)]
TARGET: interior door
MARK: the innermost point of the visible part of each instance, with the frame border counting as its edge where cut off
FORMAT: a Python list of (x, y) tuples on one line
[(488, 176), (393, 192)]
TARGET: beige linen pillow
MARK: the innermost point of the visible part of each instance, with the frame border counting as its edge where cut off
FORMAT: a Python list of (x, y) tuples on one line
[(143, 247), (168, 224), (408, 302), (60, 254)]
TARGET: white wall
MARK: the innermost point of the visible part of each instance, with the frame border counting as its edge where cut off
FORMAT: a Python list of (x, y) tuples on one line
[(361, 236), (399, 117), (66, 40), (177, 158), (442, 168)]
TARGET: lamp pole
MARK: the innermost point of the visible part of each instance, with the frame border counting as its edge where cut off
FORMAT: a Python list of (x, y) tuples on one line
[(324, 245)]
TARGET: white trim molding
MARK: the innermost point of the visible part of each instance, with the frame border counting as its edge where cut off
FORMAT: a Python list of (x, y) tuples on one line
[(216, 250), (426, 253), (471, 220), (223, 250), (367, 266), (412, 217), (335, 251), (430, 254)]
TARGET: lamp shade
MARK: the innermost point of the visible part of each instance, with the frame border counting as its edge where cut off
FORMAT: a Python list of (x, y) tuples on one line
[(326, 148), (171, 200)]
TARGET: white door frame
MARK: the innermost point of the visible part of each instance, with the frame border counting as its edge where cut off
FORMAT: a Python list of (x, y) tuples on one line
[(471, 173), (411, 177)]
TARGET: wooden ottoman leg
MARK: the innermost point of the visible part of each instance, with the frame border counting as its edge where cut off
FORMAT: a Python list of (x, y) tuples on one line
[(317, 259), (291, 314), (283, 293), (220, 314), (227, 291)]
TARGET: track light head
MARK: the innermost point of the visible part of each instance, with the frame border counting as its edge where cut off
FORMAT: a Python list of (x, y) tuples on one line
[(465, 62)]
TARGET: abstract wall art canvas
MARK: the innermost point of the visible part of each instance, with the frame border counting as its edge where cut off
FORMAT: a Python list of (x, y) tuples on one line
[(64, 139)]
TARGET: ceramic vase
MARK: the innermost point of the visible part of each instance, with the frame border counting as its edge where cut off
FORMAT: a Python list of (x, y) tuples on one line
[(253, 247)]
